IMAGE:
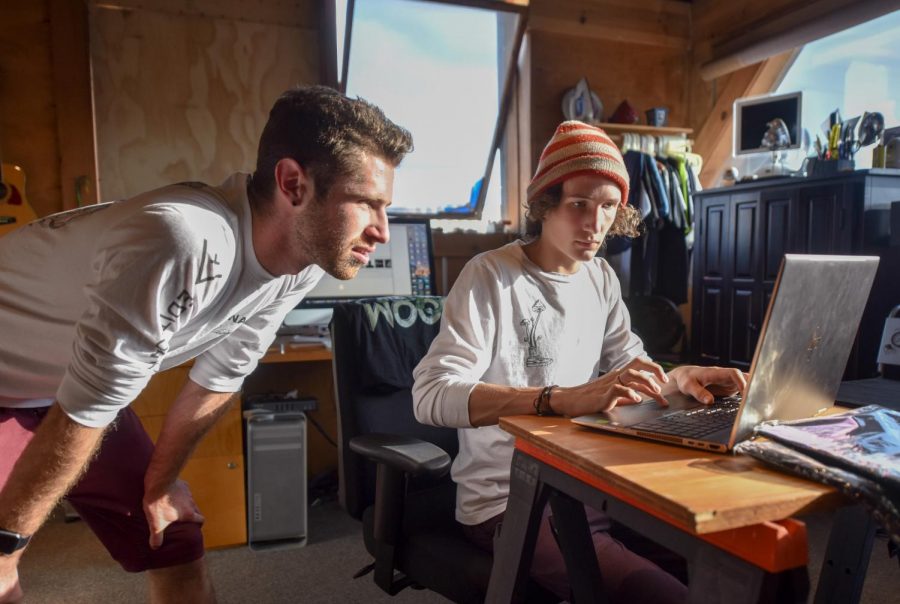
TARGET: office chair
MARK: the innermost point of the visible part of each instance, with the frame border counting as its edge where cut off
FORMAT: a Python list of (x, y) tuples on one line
[(394, 471)]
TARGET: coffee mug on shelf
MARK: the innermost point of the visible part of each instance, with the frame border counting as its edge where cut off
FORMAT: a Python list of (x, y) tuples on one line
[(657, 116)]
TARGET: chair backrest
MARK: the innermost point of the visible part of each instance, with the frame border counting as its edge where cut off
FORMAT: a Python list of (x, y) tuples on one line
[(377, 344)]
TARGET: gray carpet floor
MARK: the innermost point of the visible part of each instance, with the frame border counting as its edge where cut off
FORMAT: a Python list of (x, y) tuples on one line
[(67, 564)]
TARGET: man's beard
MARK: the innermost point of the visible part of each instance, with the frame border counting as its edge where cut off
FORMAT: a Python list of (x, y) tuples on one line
[(340, 265), (326, 245)]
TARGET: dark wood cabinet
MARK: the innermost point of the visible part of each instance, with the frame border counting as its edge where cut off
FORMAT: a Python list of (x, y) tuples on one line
[(742, 233)]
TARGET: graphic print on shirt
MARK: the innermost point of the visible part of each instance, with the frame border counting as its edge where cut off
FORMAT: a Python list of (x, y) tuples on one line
[(207, 262), (404, 311), (61, 219), (229, 326), (206, 272), (535, 356)]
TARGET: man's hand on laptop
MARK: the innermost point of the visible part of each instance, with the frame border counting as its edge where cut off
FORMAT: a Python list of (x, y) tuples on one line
[(628, 385), (644, 377), (706, 383)]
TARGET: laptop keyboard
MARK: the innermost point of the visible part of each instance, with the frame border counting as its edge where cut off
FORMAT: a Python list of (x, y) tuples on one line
[(695, 423)]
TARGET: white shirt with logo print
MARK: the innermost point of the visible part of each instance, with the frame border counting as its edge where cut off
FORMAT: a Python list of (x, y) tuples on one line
[(94, 301), (508, 322)]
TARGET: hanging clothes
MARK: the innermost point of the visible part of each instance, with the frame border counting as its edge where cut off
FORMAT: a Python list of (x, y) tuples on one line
[(672, 277), (657, 262)]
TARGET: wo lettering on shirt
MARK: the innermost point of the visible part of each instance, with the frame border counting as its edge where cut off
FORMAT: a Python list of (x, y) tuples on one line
[(404, 311)]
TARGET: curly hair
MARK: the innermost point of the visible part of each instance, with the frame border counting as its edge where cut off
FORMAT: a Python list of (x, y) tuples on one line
[(627, 223), (324, 131)]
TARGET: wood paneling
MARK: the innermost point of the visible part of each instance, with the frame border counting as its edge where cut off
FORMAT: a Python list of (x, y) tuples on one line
[(74, 102), (226, 437), (715, 21), (647, 76), (215, 470), (453, 250), (185, 97), (28, 133), (728, 34), (292, 13), (655, 23), (218, 482), (160, 392)]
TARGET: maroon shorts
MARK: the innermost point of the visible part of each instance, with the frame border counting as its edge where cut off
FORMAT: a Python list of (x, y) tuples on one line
[(109, 495)]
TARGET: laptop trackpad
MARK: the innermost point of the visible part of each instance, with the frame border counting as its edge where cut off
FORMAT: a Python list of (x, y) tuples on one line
[(628, 415)]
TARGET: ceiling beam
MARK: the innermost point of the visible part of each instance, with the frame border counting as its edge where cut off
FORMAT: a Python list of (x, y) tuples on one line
[(653, 22), (714, 137), (791, 29)]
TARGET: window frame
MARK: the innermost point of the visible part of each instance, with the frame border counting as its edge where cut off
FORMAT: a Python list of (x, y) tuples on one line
[(505, 109)]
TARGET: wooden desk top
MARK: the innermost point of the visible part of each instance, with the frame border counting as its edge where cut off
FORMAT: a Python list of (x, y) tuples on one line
[(699, 491), (297, 353)]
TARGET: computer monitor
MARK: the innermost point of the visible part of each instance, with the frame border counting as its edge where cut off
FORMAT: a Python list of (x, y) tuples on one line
[(753, 114), (403, 267)]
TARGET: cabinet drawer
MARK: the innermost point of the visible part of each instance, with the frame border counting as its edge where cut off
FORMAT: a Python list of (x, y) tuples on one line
[(225, 438), (162, 389), (217, 484)]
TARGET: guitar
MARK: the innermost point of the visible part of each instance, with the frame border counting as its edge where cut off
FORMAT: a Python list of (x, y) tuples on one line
[(15, 210)]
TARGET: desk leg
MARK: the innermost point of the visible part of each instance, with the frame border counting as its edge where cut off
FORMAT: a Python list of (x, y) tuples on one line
[(577, 548), (514, 549), (847, 556)]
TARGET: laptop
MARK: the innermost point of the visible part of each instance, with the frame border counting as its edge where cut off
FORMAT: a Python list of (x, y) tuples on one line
[(809, 329)]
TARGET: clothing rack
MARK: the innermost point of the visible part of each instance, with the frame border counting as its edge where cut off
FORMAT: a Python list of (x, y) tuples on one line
[(655, 140), (616, 129), (616, 132), (664, 176)]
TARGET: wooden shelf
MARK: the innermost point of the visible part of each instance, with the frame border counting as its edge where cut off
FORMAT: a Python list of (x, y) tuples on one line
[(297, 353), (641, 129)]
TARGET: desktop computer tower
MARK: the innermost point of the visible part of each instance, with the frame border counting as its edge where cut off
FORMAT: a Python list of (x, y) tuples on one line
[(276, 478)]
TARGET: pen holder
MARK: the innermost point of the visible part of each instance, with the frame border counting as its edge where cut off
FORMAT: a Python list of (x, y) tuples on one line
[(828, 167), (878, 156)]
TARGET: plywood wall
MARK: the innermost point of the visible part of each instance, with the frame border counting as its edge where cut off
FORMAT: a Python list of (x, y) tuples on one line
[(28, 135), (647, 76), (185, 96), (633, 50)]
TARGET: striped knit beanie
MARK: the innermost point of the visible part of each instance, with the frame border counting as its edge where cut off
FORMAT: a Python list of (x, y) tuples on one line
[(575, 149)]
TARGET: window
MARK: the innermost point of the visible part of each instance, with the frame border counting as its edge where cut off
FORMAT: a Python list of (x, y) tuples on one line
[(439, 70), (855, 70)]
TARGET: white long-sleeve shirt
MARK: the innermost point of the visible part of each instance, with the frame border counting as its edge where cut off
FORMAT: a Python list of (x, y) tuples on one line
[(508, 322), (94, 301)]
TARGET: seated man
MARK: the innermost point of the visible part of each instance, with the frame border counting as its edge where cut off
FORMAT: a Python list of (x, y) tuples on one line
[(527, 328), (94, 301)]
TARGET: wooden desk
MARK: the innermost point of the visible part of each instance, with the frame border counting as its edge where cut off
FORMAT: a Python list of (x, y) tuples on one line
[(215, 471), (725, 514), (297, 353)]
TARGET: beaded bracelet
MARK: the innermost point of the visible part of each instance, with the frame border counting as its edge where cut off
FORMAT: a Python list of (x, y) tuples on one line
[(542, 402)]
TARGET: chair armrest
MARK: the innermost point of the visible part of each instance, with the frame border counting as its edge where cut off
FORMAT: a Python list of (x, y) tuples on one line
[(405, 453)]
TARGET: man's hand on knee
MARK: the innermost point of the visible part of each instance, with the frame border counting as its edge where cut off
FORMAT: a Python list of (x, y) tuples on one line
[(175, 504)]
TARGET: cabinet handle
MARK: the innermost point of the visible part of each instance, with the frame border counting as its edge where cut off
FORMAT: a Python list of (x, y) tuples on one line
[(231, 465), (752, 327)]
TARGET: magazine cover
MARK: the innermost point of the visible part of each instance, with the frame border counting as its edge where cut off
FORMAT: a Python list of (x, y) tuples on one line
[(857, 452)]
